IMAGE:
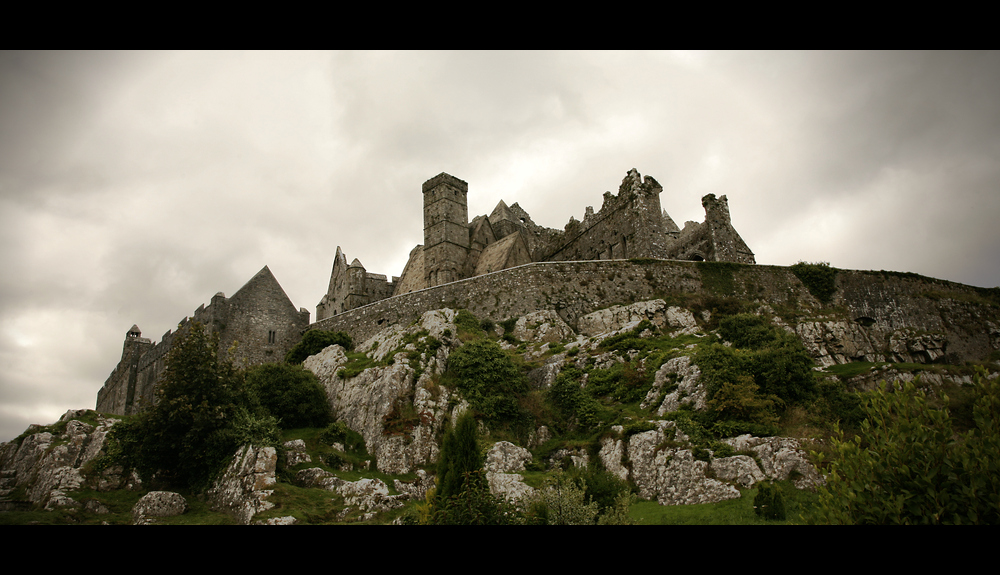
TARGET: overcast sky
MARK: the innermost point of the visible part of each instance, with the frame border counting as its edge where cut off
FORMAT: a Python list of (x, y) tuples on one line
[(134, 186)]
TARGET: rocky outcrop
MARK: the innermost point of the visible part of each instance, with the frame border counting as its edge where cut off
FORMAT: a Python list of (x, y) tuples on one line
[(543, 326), (50, 462), (677, 382), (243, 488), (378, 394), (662, 464), (295, 453), (502, 462), (618, 318), (781, 458), (369, 496)]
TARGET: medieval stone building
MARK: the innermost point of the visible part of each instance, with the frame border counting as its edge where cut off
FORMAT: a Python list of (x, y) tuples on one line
[(629, 225), (258, 324)]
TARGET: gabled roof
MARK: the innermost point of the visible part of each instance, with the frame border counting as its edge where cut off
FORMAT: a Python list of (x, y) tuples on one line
[(262, 280)]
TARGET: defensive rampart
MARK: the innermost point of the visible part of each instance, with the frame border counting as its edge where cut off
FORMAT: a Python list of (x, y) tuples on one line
[(877, 305)]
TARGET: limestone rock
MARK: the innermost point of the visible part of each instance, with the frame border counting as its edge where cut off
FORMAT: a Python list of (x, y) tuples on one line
[(502, 461), (781, 458), (50, 464), (505, 457), (365, 401), (836, 342), (611, 454), (158, 504), (739, 468), (672, 476), (243, 488), (369, 495), (416, 489), (295, 453), (688, 390), (542, 327)]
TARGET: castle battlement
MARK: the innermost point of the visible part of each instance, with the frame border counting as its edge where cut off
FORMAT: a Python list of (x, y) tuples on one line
[(630, 224)]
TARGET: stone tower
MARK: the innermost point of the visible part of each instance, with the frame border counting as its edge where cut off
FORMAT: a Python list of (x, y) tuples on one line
[(446, 229)]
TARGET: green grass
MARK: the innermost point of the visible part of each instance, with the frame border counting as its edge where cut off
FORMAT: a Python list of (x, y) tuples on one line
[(731, 512)]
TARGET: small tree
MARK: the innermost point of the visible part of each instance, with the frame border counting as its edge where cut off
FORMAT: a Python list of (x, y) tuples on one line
[(459, 455), (200, 417), (769, 503)]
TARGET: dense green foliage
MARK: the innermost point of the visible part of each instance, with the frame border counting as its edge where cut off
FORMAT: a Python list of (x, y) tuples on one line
[(473, 504), (819, 278), (290, 393), (315, 341), (578, 408), (776, 360), (769, 503), (910, 466), (459, 456), (489, 380), (202, 414)]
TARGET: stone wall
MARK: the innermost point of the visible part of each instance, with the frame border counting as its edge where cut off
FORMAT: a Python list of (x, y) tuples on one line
[(877, 305), (258, 324)]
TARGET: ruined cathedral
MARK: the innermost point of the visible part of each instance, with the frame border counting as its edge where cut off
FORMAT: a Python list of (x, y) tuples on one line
[(629, 225), (260, 324)]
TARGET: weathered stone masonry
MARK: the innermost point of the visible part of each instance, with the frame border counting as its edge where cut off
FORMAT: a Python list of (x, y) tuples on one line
[(629, 225), (258, 323), (889, 313)]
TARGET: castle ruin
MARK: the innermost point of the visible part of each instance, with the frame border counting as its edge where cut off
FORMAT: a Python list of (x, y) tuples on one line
[(258, 323), (629, 225)]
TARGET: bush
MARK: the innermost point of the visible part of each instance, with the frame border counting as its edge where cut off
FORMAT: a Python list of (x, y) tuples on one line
[(769, 502), (488, 379), (315, 341), (819, 278), (459, 455), (909, 466), (290, 393), (473, 505), (576, 405)]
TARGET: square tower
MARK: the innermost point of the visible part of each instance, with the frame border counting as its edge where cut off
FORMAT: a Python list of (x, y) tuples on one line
[(446, 229)]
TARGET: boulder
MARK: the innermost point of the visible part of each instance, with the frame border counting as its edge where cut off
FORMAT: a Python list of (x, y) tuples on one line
[(243, 488), (502, 462), (158, 504), (295, 453)]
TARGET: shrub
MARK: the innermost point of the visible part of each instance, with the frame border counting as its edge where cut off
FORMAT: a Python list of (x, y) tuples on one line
[(562, 501), (576, 405), (488, 379), (909, 466), (290, 393), (769, 503), (459, 455), (473, 505), (315, 341), (819, 278)]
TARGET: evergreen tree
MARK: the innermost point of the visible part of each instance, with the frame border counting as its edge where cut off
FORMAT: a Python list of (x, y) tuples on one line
[(459, 455), (200, 418)]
